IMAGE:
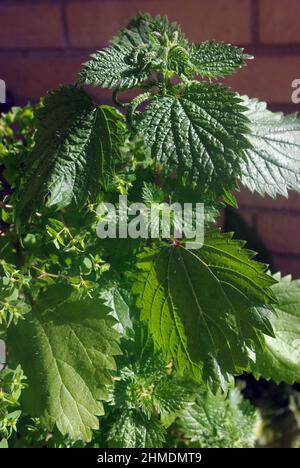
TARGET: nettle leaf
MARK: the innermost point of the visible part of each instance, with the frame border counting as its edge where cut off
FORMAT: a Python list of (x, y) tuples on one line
[(272, 165), (115, 66), (280, 359), (145, 28), (219, 421), (199, 133), (179, 61), (134, 52), (199, 305), (66, 348), (216, 59), (145, 399), (135, 430), (121, 303), (150, 35), (74, 153), (145, 386)]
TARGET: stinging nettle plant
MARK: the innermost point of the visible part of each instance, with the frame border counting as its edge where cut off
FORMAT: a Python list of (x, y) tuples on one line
[(136, 342)]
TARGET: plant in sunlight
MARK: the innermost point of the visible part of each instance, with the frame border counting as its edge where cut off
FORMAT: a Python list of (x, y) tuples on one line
[(135, 342)]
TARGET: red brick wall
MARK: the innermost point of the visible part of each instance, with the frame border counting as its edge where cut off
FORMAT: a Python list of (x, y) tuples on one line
[(43, 43)]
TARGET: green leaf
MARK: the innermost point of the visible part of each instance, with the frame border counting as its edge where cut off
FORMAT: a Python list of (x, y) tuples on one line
[(272, 165), (66, 348), (199, 133), (180, 193), (3, 443), (280, 360), (116, 66), (216, 59), (199, 305), (229, 199), (145, 28), (179, 61), (217, 421), (151, 36), (11, 386), (135, 430), (170, 396), (75, 150), (145, 386), (135, 51), (146, 395), (152, 193), (120, 302)]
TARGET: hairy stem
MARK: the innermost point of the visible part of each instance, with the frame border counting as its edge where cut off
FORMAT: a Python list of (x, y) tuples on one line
[(137, 101)]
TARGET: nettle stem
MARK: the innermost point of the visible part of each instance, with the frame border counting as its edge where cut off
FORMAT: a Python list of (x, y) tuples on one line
[(117, 102), (135, 103)]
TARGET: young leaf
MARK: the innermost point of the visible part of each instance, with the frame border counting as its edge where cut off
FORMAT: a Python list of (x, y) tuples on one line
[(4, 443), (272, 164), (145, 386), (198, 305), (135, 51), (75, 150), (216, 59), (200, 133), (152, 36), (152, 193), (217, 421), (280, 360), (146, 398), (120, 302), (66, 348), (115, 66), (145, 29), (134, 430)]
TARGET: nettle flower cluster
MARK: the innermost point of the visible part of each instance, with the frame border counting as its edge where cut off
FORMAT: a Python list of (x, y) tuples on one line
[(93, 306)]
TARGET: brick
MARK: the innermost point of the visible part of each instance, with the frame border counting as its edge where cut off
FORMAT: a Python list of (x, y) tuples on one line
[(287, 265), (30, 77), (221, 20), (248, 216), (251, 200), (31, 26), (268, 78), (101, 95), (91, 23), (279, 21), (279, 232)]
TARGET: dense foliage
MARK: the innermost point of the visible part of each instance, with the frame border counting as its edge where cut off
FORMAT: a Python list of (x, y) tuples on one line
[(136, 342)]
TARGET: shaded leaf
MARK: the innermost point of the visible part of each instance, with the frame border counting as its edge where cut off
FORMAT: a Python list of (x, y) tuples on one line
[(135, 430), (66, 348), (76, 146), (120, 302)]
